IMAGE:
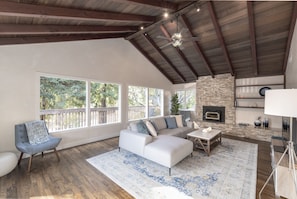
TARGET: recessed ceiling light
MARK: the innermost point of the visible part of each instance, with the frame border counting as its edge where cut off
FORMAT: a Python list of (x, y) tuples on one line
[(141, 27), (166, 14)]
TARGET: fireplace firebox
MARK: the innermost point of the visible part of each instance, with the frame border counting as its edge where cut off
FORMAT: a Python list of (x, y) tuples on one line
[(214, 114)]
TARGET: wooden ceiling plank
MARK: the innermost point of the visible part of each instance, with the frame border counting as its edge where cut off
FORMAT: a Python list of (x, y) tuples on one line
[(181, 54), (252, 36), (138, 47), (24, 29), (56, 38), (157, 4), (197, 46), (180, 11), (149, 40), (32, 10), (220, 35), (290, 36)]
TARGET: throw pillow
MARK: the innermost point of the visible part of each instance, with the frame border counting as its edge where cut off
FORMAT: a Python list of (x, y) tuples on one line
[(151, 128), (179, 120), (37, 132), (133, 126), (159, 123), (141, 127), (171, 122)]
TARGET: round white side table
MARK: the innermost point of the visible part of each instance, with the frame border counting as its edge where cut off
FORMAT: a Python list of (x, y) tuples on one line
[(8, 161)]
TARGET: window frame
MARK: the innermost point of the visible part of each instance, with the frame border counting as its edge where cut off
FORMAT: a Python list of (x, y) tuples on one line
[(147, 103), (184, 91), (87, 100)]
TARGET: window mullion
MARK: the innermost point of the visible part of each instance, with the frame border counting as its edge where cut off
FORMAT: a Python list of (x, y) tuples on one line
[(147, 103), (88, 101)]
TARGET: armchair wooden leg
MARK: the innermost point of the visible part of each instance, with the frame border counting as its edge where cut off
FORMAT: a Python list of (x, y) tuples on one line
[(30, 163), (56, 152), (20, 159)]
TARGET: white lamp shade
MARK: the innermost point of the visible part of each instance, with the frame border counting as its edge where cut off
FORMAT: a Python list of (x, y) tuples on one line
[(281, 102)]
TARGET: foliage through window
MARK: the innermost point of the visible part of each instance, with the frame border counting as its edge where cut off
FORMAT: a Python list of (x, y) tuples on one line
[(104, 103), (63, 103), (144, 102), (187, 99)]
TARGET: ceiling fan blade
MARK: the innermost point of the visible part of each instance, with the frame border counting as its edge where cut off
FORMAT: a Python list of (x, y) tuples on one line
[(164, 46), (162, 37), (181, 47), (191, 38), (183, 30)]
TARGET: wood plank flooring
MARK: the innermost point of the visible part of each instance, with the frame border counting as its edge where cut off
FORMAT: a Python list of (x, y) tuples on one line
[(74, 177)]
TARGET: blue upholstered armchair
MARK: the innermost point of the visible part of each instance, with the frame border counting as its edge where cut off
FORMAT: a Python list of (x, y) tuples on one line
[(23, 145)]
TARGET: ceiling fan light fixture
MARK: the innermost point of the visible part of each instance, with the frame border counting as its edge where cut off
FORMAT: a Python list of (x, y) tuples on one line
[(177, 43)]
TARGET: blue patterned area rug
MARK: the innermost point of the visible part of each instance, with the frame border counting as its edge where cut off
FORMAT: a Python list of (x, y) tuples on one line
[(229, 172)]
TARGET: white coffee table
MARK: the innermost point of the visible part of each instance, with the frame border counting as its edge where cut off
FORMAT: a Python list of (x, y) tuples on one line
[(206, 140)]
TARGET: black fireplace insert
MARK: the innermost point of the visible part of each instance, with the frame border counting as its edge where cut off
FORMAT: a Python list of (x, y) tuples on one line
[(214, 114)]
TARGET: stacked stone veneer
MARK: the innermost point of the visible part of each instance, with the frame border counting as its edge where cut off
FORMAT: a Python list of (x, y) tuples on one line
[(219, 91)]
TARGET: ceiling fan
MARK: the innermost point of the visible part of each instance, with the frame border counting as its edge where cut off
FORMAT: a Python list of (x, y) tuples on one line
[(177, 38)]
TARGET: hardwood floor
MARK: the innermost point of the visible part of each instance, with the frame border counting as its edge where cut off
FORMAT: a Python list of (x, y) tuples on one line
[(74, 177)]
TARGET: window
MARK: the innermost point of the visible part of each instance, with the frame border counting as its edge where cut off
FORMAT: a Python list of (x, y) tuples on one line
[(144, 102), (155, 102), (104, 103), (64, 104), (187, 99)]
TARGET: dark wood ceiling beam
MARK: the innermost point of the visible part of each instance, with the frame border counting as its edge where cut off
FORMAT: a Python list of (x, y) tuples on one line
[(157, 4), (33, 10), (290, 36), (150, 41), (197, 46), (56, 38), (252, 36), (138, 47), (173, 15), (220, 35), (24, 29), (181, 54)]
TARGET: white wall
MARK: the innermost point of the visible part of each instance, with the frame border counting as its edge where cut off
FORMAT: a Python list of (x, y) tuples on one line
[(249, 115), (112, 60), (291, 73)]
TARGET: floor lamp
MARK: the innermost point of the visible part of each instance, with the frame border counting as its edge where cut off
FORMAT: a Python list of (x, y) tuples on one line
[(283, 102)]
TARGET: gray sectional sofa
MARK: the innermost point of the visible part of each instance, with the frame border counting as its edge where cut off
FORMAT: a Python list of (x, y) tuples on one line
[(166, 146)]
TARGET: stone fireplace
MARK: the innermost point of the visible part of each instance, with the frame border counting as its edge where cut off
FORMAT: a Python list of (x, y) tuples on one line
[(216, 96), (219, 92)]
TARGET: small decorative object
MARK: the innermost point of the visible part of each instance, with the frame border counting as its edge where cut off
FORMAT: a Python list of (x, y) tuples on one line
[(207, 130), (266, 123), (257, 122), (262, 90)]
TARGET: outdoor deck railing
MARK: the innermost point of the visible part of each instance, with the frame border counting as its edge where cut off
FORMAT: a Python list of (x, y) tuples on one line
[(63, 119)]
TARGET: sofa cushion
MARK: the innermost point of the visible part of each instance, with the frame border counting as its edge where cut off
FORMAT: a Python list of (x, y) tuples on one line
[(171, 122), (141, 128), (179, 132), (168, 150), (151, 128), (159, 123), (179, 120)]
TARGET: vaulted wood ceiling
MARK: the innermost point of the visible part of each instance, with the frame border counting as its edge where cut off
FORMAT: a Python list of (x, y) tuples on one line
[(243, 38)]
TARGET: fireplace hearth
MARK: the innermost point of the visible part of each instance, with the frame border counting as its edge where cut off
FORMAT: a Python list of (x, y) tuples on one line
[(214, 114)]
